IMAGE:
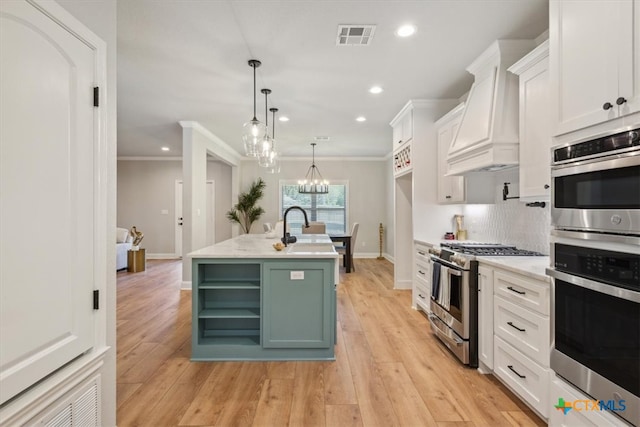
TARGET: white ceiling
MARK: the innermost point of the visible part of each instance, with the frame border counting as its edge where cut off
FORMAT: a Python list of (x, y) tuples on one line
[(187, 60)]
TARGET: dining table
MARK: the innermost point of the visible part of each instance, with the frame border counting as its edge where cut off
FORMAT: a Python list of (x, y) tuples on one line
[(345, 239)]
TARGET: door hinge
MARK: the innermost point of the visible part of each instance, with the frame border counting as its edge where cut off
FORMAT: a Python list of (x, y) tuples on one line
[(96, 299), (96, 96)]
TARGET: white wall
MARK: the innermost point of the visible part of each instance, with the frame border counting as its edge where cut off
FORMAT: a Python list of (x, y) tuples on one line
[(100, 17), (368, 201), (147, 187)]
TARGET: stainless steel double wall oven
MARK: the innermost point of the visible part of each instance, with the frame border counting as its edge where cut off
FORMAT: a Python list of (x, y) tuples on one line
[(595, 259)]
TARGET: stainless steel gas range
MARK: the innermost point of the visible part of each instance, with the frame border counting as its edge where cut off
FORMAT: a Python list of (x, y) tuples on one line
[(454, 294)]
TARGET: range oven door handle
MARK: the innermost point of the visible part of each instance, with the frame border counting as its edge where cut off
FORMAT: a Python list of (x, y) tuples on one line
[(444, 333), (614, 291)]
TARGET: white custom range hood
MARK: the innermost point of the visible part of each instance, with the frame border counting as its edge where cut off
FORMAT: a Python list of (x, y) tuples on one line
[(487, 138)]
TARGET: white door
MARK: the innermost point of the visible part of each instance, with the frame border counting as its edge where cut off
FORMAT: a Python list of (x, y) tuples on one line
[(49, 140), (211, 216)]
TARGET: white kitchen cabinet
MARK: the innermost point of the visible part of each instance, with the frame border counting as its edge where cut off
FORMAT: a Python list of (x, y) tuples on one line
[(53, 213), (450, 188), (422, 271), (522, 375), (514, 332), (402, 126), (594, 62), (521, 336), (485, 319), (458, 189), (535, 131)]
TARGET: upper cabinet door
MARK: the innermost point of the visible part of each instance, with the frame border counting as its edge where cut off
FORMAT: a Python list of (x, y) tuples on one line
[(593, 63), (49, 137)]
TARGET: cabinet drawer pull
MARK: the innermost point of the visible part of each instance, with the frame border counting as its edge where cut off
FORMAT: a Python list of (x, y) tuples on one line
[(421, 296), (447, 197), (621, 100), (421, 253), (421, 272), (515, 327), (516, 372), (515, 290), (607, 106)]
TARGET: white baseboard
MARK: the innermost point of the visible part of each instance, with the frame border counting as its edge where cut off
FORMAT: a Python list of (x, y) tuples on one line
[(389, 258), (186, 285), (403, 284), (162, 256)]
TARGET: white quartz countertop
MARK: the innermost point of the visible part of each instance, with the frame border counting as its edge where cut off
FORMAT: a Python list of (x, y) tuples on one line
[(532, 266), (259, 246)]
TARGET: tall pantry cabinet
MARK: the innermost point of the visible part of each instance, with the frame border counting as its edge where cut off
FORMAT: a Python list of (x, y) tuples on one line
[(416, 211), (52, 215)]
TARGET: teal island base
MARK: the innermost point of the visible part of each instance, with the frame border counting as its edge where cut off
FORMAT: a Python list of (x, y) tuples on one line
[(263, 309)]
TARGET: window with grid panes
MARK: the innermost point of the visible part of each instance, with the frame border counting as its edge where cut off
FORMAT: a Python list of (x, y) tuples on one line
[(330, 208)]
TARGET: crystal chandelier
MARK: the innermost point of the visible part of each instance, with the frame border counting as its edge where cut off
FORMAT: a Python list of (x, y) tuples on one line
[(254, 130), (313, 183)]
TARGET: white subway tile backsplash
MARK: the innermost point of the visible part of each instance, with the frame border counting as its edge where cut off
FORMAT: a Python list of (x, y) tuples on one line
[(509, 222)]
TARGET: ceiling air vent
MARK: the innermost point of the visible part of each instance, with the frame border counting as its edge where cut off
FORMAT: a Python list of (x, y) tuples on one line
[(321, 138), (355, 35)]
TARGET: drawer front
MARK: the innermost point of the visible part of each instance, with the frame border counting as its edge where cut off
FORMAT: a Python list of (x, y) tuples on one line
[(522, 290), (422, 297), (423, 274), (422, 254), (526, 330), (525, 377)]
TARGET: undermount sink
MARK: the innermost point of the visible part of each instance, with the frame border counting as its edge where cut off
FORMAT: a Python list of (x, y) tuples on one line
[(297, 248)]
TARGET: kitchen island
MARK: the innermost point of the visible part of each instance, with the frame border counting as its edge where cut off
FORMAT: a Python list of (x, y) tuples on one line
[(251, 302)]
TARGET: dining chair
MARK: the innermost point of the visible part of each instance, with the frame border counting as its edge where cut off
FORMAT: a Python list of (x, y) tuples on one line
[(315, 227), (343, 249)]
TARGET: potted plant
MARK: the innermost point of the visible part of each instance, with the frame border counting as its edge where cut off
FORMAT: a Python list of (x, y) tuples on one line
[(245, 212)]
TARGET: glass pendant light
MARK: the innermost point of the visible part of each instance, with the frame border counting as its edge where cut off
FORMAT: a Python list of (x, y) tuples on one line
[(313, 183), (273, 164), (254, 130), (266, 145)]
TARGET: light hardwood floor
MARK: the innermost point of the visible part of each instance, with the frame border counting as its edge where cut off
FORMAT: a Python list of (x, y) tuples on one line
[(389, 369)]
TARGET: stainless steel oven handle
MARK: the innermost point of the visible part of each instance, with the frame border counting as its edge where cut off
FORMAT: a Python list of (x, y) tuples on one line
[(597, 237), (604, 288)]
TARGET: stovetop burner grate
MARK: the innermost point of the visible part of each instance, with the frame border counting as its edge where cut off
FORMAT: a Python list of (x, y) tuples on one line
[(489, 249)]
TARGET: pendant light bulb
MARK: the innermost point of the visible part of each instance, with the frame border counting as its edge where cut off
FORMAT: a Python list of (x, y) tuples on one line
[(272, 161), (254, 130)]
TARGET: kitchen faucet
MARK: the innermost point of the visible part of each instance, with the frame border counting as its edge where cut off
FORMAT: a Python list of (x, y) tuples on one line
[(287, 238)]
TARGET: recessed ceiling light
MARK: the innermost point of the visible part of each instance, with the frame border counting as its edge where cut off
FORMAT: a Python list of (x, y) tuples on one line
[(375, 89), (283, 118), (405, 31), (165, 148), (361, 119)]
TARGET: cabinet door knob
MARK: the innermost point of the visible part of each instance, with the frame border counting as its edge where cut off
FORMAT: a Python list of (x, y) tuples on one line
[(607, 106), (447, 197), (621, 100), (546, 186)]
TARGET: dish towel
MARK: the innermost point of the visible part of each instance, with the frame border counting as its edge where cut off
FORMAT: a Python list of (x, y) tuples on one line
[(445, 290), (435, 281)]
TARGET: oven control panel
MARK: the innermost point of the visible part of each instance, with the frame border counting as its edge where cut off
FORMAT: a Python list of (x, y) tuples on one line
[(615, 142), (615, 268)]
